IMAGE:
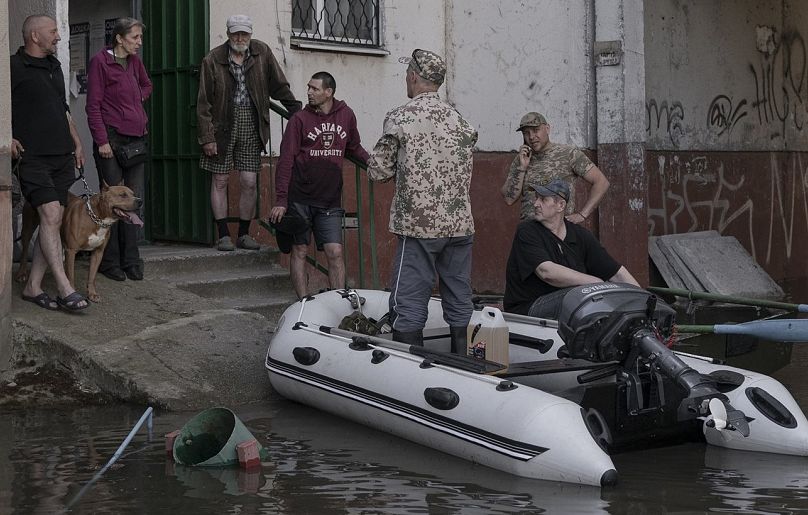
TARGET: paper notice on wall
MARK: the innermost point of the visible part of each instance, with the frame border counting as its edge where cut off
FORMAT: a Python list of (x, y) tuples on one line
[(79, 57)]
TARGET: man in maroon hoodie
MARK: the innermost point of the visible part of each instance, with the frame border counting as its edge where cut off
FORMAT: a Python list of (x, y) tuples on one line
[(309, 177)]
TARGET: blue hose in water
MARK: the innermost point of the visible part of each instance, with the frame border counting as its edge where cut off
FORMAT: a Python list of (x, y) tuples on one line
[(146, 417)]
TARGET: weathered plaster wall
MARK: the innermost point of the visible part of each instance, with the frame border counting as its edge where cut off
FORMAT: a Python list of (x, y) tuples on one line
[(504, 60), (509, 58), (371, 85), (727, 75)]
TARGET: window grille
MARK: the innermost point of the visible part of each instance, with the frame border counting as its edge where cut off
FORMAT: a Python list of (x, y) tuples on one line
[(353, 22)]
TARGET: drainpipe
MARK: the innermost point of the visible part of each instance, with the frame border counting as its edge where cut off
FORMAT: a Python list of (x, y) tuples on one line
[(619, 64)]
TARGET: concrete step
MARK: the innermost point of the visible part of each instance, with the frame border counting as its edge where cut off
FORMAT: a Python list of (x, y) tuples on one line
[(246, 280), (165, 261), (270, 305), (235, 283)]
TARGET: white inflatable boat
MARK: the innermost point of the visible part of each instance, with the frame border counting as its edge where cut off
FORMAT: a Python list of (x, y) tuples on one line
[(600, 380)]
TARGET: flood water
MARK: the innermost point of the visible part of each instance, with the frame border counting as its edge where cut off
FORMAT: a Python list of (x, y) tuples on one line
[(319, 463), (322, 464)]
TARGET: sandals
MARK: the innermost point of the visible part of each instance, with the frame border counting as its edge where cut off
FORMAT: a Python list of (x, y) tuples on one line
[(43, 300), (73, 302)]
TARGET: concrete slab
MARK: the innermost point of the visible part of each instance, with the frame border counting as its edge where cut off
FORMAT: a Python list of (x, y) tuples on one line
[(677, 271), (723, 266), (148, 342), (665, 267), (707, 261)]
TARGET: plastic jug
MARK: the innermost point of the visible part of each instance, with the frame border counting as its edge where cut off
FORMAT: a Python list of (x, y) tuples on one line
[(488, 335)]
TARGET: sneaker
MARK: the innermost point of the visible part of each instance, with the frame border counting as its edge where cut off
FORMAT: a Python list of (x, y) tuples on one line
[(225, 244), (247, 242)]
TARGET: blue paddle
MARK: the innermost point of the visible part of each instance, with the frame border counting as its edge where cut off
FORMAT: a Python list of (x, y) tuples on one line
[(783, 330)]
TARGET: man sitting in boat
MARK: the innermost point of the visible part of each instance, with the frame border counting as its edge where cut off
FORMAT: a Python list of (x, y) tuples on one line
[(550, 255)]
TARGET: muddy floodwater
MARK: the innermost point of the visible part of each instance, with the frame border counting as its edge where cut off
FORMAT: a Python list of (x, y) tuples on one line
[(322, 464), (318, 463)]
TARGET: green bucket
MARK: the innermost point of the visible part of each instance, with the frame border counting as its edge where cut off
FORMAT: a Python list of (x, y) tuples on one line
[(210, 439)]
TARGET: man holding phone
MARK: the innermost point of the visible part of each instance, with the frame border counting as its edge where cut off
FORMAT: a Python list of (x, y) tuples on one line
[(540, 161)]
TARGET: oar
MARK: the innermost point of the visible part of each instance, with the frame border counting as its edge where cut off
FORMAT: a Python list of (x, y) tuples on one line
[(783, 330), (800, 308)]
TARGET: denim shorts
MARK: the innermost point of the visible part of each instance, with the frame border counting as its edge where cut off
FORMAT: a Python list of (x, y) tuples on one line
[(325, 223)]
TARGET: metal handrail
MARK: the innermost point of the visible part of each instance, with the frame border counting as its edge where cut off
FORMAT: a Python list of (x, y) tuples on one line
[(359, 166)]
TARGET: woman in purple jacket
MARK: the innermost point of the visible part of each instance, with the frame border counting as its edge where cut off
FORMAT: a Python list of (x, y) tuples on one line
[(117, 86)]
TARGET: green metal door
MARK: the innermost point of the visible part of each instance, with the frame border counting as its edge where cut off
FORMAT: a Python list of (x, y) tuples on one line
[(176, 40)]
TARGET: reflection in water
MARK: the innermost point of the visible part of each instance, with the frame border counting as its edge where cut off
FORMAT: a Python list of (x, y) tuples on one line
[(356, 469), (749, 481), (323, 464)]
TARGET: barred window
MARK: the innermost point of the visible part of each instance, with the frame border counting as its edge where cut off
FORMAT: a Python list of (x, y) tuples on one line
[(353, 22)]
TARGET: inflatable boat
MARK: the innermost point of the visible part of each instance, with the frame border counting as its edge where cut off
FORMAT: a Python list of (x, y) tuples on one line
[(554, 405)]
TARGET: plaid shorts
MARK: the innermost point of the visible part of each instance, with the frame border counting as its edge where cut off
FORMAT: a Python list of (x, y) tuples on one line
[(244, 149)]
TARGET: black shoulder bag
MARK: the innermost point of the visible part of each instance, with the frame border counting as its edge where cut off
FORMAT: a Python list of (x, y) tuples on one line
[(133, 153)]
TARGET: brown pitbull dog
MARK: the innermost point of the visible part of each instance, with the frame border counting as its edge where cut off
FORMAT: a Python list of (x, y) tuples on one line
[(85, 226)]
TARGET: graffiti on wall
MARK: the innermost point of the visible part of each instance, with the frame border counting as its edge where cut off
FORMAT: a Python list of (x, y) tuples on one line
[(781, 92), (779, 74), (665, 120), (697, 194), (723, 116)]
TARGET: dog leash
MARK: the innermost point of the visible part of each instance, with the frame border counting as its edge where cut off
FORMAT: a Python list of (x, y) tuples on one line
[(87, 195), (87, 191)]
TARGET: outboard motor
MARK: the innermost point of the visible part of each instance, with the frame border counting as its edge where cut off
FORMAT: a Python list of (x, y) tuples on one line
[(620, 322)]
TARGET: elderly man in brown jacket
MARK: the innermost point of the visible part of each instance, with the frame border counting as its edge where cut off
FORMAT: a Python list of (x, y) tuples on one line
[(236, 82)]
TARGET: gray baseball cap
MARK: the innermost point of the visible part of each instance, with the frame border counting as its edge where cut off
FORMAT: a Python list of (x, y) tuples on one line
[(555, 187)]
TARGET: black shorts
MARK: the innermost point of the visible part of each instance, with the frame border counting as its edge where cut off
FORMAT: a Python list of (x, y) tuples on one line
[(46, 179), (325, 223)]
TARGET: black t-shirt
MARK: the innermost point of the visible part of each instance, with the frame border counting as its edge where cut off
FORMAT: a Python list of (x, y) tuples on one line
[(534, 244), (38, 105)]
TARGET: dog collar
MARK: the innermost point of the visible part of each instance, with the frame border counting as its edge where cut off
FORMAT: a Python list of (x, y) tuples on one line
[(92, 214)]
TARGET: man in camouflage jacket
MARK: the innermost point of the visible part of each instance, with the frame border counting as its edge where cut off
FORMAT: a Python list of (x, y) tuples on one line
[(541, 161), (427, 147)]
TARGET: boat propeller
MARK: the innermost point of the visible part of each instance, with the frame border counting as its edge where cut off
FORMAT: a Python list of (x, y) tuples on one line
[(723, 416)]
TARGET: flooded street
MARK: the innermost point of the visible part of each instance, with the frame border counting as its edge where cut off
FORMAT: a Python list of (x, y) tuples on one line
[(319, 463)]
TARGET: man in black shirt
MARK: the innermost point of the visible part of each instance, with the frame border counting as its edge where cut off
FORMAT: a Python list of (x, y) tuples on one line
[(47, 144), (550, 255)]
